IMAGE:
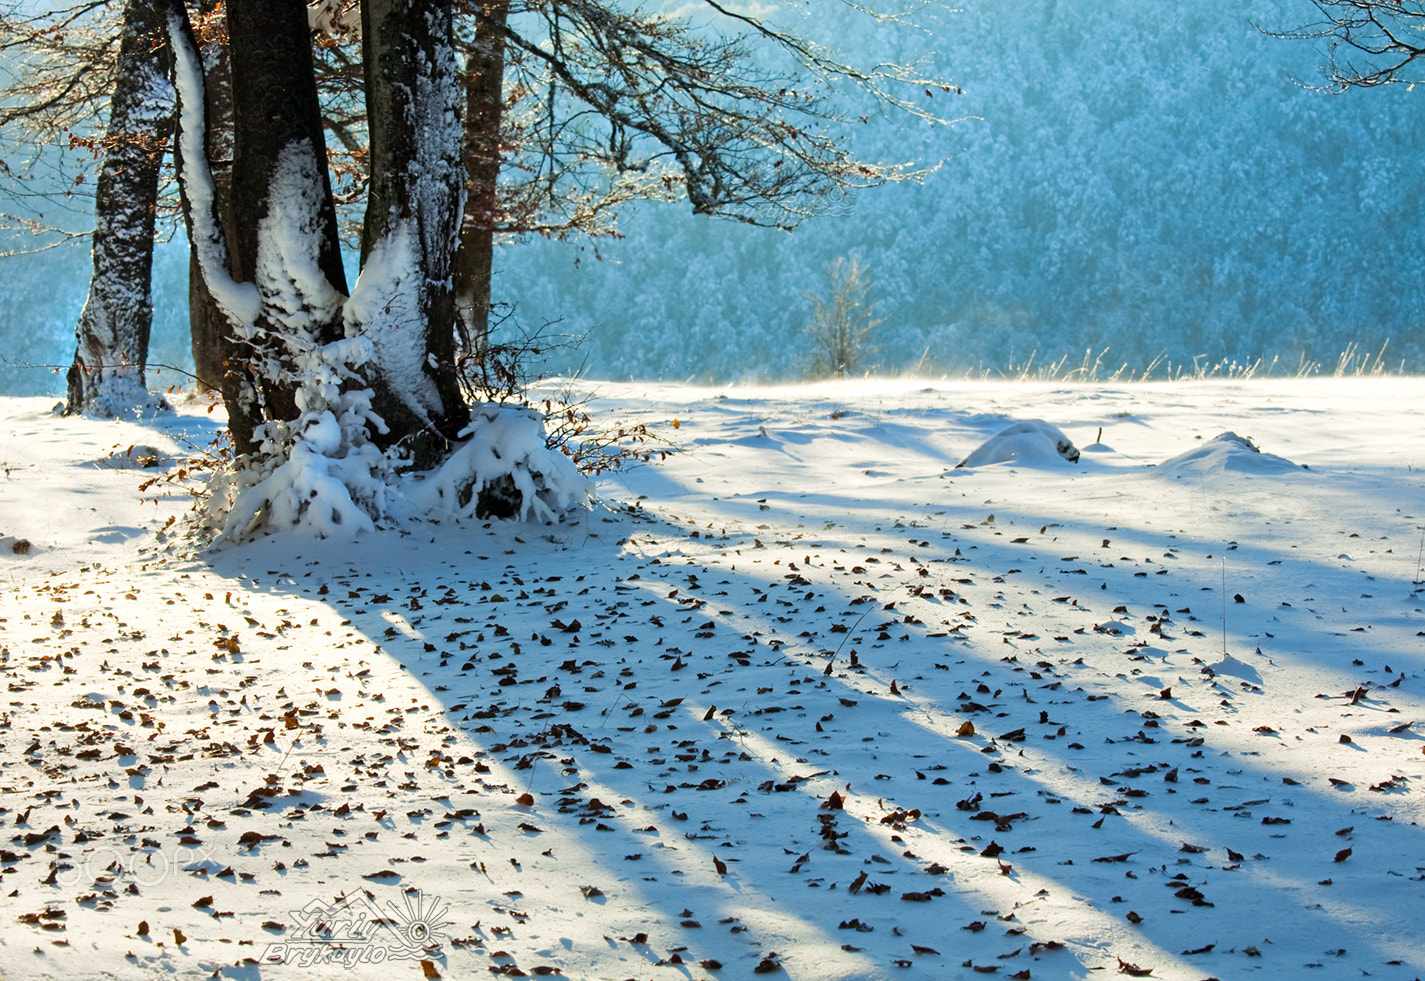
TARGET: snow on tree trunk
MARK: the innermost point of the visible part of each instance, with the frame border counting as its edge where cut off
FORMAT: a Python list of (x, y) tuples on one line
[(404, 300), (212, 343), (237, 305), (107, 377), (276, 121), (331, 432), (238, 301)]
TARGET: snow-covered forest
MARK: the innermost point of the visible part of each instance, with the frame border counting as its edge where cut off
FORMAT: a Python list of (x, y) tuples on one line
[(1149, 178), (1155, 179)]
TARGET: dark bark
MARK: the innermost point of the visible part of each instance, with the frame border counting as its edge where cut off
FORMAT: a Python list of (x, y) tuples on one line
[(271, 53), (1369, 42), (276, 113), (412, 105), (483, 155), (113, 330)]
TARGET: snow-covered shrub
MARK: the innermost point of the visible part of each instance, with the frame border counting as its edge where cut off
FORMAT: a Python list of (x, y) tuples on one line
[(319, 473), (506, 449), (842, 321), (329, 481)]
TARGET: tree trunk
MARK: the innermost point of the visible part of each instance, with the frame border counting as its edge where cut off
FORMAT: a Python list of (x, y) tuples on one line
[(284, 231), (112, 334), (484, 115), (211, 339), (404, 301), (234, 307)]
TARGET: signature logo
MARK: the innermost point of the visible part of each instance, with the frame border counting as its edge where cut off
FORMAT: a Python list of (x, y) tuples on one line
[(356, 930)]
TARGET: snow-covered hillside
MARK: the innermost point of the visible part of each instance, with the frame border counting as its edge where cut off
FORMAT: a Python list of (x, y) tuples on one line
[(1154, 179), (803, 699)]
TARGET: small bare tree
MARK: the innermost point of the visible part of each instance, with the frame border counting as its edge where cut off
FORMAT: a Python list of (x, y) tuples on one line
[(842, 321)]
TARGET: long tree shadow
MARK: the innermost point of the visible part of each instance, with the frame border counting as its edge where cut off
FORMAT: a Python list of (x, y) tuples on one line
[(634, 680)]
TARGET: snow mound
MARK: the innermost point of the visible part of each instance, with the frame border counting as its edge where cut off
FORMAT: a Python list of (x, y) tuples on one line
[(122, 395), (13, 545), (1032, 443), (504, 469), (1225, 453), (139, 456), (1237, 669)]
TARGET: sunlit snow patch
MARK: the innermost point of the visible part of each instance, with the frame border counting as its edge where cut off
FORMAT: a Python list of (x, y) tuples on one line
[(1226, 453), (1033, 443)]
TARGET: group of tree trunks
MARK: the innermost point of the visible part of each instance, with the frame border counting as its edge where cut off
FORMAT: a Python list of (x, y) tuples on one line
[(612, 105), (263, 50)]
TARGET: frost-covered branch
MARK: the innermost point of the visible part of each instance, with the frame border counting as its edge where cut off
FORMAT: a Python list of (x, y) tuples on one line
[(667, 106), (1369, 42), (60, 66)]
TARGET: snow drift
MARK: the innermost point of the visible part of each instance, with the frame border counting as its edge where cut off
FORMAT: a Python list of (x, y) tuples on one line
[(1224, 453), (1033, 443)]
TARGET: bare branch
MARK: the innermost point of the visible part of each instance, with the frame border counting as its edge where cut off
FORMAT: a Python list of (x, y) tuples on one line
[(1369, 42), (685, 108)]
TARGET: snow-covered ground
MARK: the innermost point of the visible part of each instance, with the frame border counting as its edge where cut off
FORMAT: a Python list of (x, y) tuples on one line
[(802, 699)]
